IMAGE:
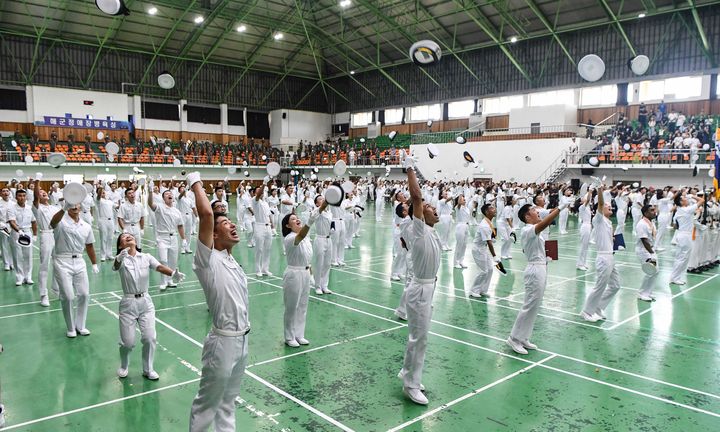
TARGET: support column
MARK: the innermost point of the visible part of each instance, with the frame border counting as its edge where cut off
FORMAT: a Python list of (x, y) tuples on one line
[(184, 134), (224, 128)]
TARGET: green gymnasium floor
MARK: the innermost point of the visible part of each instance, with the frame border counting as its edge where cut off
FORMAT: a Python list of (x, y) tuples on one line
[(650, 367)]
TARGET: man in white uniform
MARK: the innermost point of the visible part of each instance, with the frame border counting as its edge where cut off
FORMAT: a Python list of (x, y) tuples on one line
[(22, 222), (44, 211), (7, 252), (87, 208), (535, 277), (262, 234), (483, 252), (425, 263), (607, 282), (130, 216), (168, 224), (72, 236), (585, 221), (106, 224), (322, 247), (186, 206), (225, 286), (685, 217), (645, 250)]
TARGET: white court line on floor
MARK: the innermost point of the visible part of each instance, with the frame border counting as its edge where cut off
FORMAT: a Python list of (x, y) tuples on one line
[(98, 405), (639, 314), (469, 395), (598, 365), (668, 401)]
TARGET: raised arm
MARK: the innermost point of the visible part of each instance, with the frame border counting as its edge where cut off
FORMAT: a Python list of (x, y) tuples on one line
[(205, 213), (415, 192), (151, 193), (306, 228)]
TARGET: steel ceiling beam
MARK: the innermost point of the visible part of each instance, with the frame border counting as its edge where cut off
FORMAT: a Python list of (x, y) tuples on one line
[(487, 27), (699, 39), (202, 27), (312, 49), (164, 42), (618, 26), (538, 13), (701, 30)]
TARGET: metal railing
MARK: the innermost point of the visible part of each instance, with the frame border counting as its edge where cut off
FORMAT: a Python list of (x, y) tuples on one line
[(530, 132), (650, 158)]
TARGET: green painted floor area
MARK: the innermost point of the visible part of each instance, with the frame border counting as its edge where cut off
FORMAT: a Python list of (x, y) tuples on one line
[(649, 367)]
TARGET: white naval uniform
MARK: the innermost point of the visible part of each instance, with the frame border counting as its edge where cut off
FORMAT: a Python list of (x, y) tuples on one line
[(504, 230), (296, 286), (337, 235), (646, 230), (565, 212), (379, 203), (425, 263), (585, 221), (167, 221), (607, 282), (535, 279), (685, 217), (322, 250), (461, 234), (185, 205), (664, 212), (86, 209), (406, 236), (482, 257), (225, 348), (43, 215), (23, 256), (136, 307), (5, 248), (106, 227), (262, 235), (70, 271), (444, 210), (621, 202), (273, 202), (131, 215), (399, 262)]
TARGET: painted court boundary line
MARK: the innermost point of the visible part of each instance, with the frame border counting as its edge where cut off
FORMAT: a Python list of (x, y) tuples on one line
[(520, 358), (469, 395)]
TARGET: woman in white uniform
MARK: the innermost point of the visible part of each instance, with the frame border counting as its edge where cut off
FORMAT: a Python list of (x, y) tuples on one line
[(106, 223), (585, 221), (504, 226), (136, 306), (297, 278), (273, 202), (445, 209), (461, 230), (565, 201)]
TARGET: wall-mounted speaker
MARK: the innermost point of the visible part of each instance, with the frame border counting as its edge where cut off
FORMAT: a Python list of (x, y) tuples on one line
[(284, 116), (587, 171)]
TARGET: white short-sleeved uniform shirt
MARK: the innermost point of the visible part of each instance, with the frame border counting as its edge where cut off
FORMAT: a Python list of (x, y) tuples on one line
[(603, 233), (645, 230), (299, 255), (322, 224), (261, 210), (463, 214), (584, 214), (131, 213), (167, 219), (185, 204), (105, 209), (685, 217), (135, 272), (43, 214), (71, 237), (23, 216), (533, 245), (426, 249), (87, 203), (225, 286), (484, 234)]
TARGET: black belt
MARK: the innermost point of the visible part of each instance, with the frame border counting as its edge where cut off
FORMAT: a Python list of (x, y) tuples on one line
[(139, 295), (132, 224), (109, 219), (323, 236)]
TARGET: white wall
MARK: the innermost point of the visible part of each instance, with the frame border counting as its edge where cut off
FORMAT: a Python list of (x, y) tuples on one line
[(51, 101), (13, 116), (298, 125), (552, 115), (501, 160), (340, 118)]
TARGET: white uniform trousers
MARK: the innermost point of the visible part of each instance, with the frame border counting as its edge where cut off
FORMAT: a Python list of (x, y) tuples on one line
[(106, 229), (249, 223), (636, 217), (224, 359), (564, 220), (151, 219), (535, 279), (585, 231), (240, 216), (504, 231), (399, 262), (23, 258), (696, 249), (485, 265), (296, 291), (349, 230), (682, 257), (138, 311), (263, 240), (419, 313), (338, 241), (188, 224), (401, 310), (275, 219), (72, 278), (379, 208), (621, 215), (461, 238), (7, 251), (47, 243), (167, 253), (87, 217), (323, 255), (663, 223), (648, 282), (443, 230), (607, 284), (134, 229)]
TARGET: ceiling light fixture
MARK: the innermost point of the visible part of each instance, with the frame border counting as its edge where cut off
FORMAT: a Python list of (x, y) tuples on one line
[(352, 72), (153, 10), (278, 36), (642, 15), (345, 3), (513, 39), (241, 28), (199, 19)]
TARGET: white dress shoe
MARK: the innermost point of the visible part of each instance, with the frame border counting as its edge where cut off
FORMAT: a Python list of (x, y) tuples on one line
[(152, 375), (319, 291), (589, 317), (292, 343), (529, 345), (516, 346), (44, 302), (326, 291), (71, 334), (303, 341), (415, 395), (400, 375), (122, 373), (84, 332)]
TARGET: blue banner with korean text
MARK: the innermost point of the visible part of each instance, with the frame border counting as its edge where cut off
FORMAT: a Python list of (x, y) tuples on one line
[(84, 123)]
